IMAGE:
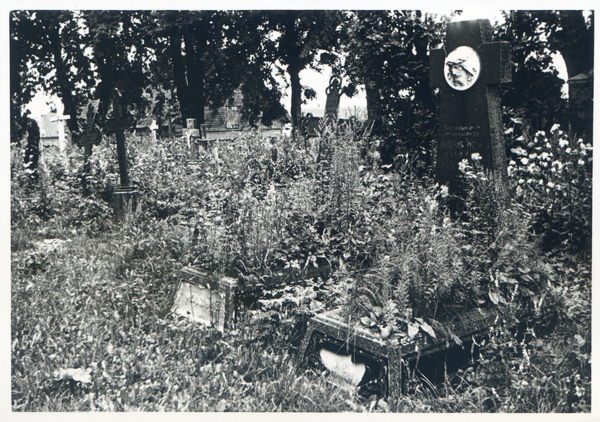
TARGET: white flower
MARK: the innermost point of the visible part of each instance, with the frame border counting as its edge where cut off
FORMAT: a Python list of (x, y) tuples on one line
[(544, 155), (563, 143), (475, 156), (555, 128), (518, 151), (580, 162), (444, 191), (463, 165), (524, 161), (550, 184), (533, 156)]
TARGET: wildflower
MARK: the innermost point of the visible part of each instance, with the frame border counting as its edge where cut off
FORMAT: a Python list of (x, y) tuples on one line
[(521, 181), (475, 156), (580, 162), (568, 150), (524, 160), (544, 156), (555, 128), (550, 185), (463, 165), (444, 191), (518, 151), (563, 143), (533, 156)]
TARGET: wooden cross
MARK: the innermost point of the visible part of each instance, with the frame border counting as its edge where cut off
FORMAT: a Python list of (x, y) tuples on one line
[(468, 71), (117, 125)]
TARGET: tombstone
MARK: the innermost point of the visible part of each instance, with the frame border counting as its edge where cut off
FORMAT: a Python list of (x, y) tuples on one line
[(61, 119), (154, 129), (192, 134), (125, 197), (468, 71), (87, 141), (205, 298), (332, 105)]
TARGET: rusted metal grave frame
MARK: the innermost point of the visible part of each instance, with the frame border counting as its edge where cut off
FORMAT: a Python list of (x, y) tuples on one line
[(391, 360)]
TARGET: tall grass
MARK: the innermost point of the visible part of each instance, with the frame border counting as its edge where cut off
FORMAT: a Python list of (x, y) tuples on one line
[(90, 298)]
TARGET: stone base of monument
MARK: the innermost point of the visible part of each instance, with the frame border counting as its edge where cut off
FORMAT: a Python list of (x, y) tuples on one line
[(358, 357), (205, 298), (125, 202)]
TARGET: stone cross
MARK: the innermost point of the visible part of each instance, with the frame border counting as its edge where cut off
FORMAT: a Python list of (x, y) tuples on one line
[(154, 128), (192, 133), (468, 70), (332, 105), (117, 125)]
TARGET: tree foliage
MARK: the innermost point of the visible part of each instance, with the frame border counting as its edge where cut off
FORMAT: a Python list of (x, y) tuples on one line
[(387, 51), (535, 91), (295, 40)]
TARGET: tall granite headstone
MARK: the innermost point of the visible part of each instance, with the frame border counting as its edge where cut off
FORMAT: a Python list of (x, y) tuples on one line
[(468, 71)]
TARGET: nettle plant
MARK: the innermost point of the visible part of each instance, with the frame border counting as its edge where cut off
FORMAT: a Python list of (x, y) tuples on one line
[(554, 177)]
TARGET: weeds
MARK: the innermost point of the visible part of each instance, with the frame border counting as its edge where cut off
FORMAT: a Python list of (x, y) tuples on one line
[(90, 321)]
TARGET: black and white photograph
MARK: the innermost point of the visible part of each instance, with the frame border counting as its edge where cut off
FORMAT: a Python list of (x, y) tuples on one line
[(339, 208)]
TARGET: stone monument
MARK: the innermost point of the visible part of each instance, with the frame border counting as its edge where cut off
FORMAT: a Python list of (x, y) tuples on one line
[(468, 71), (332, 105)]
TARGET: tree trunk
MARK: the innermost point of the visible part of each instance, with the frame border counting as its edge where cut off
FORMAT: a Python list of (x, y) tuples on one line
[(66, 90), (195, 78), (373, 102), (296, 109), (183, 93)]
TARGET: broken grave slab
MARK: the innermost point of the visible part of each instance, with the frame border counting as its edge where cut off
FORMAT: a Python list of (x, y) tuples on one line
[(359, 357)]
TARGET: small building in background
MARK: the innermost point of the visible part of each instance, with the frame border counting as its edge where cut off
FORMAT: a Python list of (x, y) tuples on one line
[(48, 124)]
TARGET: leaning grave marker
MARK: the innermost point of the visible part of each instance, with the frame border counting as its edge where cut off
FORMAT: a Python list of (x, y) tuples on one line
[(125, 197), (468, 70)]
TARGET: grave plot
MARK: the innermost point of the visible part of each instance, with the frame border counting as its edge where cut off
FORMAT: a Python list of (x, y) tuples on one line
[(361, 358), (216, 300)]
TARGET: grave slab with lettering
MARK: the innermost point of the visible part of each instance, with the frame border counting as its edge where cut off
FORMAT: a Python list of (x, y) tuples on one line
[(468, 71)]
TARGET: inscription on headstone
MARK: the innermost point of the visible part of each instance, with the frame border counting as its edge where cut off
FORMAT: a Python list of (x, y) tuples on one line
[(468, 71)]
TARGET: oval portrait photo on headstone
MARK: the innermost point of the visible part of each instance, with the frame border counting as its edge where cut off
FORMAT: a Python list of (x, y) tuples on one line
[(462, 68)]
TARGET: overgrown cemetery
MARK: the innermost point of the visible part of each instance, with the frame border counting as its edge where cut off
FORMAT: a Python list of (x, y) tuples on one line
[(184, 243)]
